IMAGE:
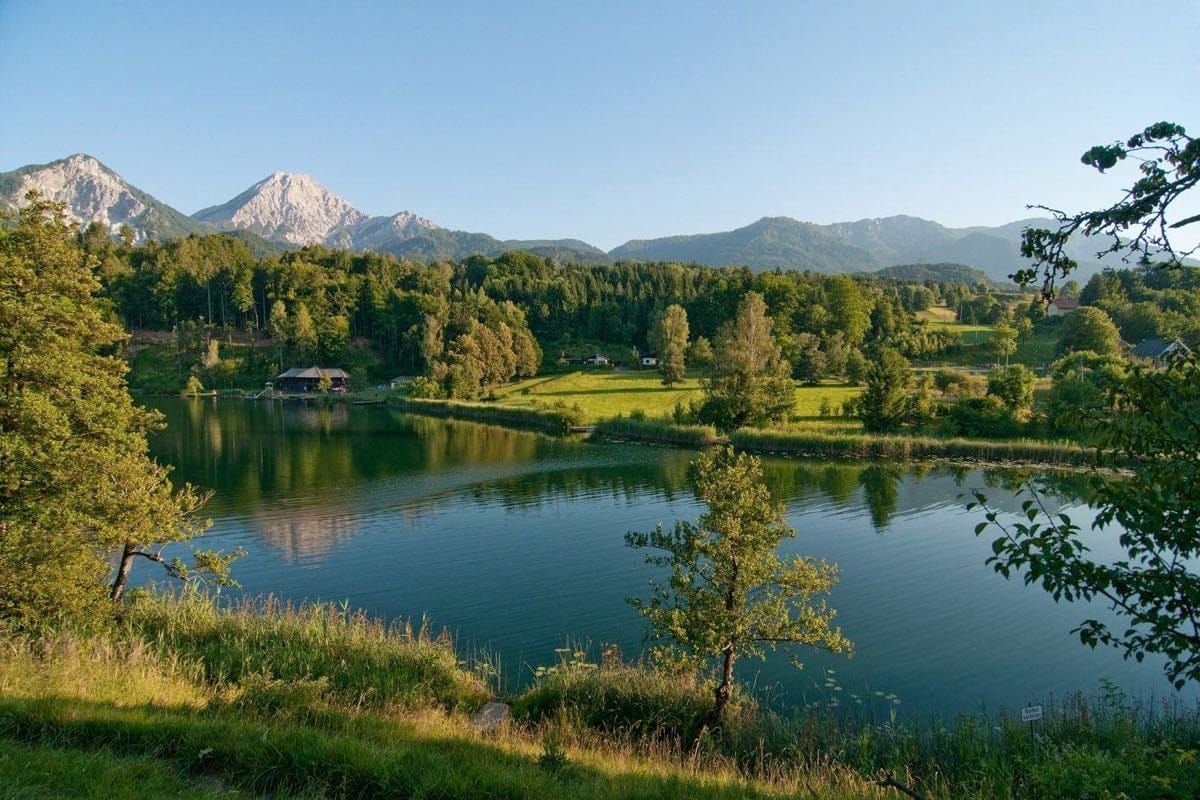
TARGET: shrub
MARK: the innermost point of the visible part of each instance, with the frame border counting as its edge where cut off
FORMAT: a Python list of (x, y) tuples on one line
[(982, 417)]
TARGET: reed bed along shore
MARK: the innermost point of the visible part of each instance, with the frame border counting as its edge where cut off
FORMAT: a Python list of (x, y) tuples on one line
[(554, 419), (816, 442), (657, 431)]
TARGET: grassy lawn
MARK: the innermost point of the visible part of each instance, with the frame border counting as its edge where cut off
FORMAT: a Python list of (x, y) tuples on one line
[(971, 334), (1037, 349), (603, 394), (44, 771), (937, 314)]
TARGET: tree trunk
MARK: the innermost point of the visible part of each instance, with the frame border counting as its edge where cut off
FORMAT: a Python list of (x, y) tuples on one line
[(118, 587), (712, 718)]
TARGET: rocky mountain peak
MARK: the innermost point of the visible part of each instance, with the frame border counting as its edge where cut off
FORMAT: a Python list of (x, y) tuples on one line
[(288, 207), (92, 193)]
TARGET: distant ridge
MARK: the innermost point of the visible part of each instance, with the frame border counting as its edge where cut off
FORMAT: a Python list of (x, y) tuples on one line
[(288, 210)]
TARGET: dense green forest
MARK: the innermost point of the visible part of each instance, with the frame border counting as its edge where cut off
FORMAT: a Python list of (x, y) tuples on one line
[(404, 307)]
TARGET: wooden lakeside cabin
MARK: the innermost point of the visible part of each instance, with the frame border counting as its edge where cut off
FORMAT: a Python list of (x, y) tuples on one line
[(300, 380)]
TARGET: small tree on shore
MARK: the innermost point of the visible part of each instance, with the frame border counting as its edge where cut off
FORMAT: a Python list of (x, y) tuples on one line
[(730, 595)]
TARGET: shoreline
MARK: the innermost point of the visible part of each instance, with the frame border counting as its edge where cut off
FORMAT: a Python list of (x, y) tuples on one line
[(1016, 453), (802, 444)]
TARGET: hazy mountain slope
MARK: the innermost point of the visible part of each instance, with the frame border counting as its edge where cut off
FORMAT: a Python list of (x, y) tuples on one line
[(94, 193), (769, 243), (867, 244)]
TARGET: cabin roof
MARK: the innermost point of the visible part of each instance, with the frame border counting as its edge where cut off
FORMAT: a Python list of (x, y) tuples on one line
[(313, 372)]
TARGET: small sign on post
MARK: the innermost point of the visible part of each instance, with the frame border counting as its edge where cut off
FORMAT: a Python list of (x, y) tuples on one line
[(1031, 713)]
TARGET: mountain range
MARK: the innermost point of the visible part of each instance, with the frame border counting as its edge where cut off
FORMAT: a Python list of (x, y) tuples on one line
[(290, 210)]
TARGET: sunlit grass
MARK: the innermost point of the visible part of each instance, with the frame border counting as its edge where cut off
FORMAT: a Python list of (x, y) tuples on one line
[(603, 394), (366, 662), (146, 715)]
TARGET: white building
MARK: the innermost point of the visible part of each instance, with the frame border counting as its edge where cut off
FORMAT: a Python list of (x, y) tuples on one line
[(1060, 306)]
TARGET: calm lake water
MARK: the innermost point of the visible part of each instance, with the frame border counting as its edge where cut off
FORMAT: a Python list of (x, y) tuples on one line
[(514, 542)]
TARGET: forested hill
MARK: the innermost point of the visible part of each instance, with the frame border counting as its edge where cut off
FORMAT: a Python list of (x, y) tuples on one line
[(941, 273), (770, 243)]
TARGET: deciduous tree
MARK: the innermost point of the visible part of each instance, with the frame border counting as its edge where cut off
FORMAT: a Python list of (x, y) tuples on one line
[(1150, 426), (730, 595), (748, 382), (1091, 329)]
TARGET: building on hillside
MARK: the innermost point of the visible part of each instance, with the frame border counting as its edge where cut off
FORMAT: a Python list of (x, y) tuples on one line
[(309, 380), (1061, 305), (649, 361), (596, 360), (1160, 350)]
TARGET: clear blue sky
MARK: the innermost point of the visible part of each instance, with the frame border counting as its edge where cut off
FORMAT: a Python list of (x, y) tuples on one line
[(605, 121)]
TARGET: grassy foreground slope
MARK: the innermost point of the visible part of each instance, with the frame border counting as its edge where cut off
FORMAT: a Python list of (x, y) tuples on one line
[(186, 700), (183, 699)]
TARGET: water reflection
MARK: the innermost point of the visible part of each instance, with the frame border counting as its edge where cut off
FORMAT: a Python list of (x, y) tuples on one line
[(305, 471), (515, 541)]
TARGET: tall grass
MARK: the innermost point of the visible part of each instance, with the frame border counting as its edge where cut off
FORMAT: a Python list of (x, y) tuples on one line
[(815, 442), (556, 419), (277, 707), (86, 709), (1098, 746), (364, 662), (656, 431)]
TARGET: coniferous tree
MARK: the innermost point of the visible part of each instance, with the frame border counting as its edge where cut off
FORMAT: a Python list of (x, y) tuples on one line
[(669, 337), (884, 403)]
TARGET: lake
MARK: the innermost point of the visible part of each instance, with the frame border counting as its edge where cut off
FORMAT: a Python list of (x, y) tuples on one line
[(514, 542)]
